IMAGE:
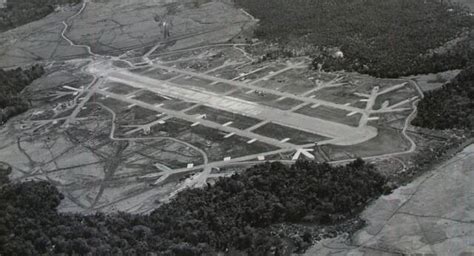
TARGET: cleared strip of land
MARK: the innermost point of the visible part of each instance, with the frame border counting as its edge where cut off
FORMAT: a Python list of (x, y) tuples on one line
[(290, 119)]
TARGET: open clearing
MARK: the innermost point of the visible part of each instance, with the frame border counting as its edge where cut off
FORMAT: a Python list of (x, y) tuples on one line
[(153, 113), (431, 216)]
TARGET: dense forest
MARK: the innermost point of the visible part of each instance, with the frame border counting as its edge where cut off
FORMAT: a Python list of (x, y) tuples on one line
[(12, 83), (451, 106), (19, 12), (389, 38), (231, 216)]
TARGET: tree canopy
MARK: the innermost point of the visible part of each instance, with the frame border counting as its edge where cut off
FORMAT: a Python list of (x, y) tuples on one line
[(234, 214), (12, 83), (387, 38), (451, 106)]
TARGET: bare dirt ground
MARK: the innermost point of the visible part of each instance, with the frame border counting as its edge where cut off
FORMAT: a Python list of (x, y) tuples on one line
[(431, 216), (133, 119), (114, 27)]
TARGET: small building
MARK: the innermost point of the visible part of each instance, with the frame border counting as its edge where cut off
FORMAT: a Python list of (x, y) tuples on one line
[(3, 4)]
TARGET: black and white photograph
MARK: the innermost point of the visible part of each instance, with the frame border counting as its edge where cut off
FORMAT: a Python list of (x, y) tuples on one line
[(237, 127)]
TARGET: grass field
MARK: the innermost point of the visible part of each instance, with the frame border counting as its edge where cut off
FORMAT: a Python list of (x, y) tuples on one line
[(330, 114), (267, 99), (149, 97), (198, 83), (172, 128), (136, 115), (217, 147), (229, 72), (177, 105), (116, 105), (159, 74), (280, 132), (119, 88), (394, 97), (387, 141), (199, 65), (222, 117), (192, 81), (292, 81)]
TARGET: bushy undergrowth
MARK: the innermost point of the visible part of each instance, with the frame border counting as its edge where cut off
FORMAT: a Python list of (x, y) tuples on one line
[(233, 214)]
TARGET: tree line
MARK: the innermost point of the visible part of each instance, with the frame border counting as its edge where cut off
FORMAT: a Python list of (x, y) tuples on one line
[(12, 82), (389, 38), (232, 216), (451, 106)]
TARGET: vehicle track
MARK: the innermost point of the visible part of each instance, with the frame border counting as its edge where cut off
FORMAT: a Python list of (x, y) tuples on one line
[(66, 28)]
